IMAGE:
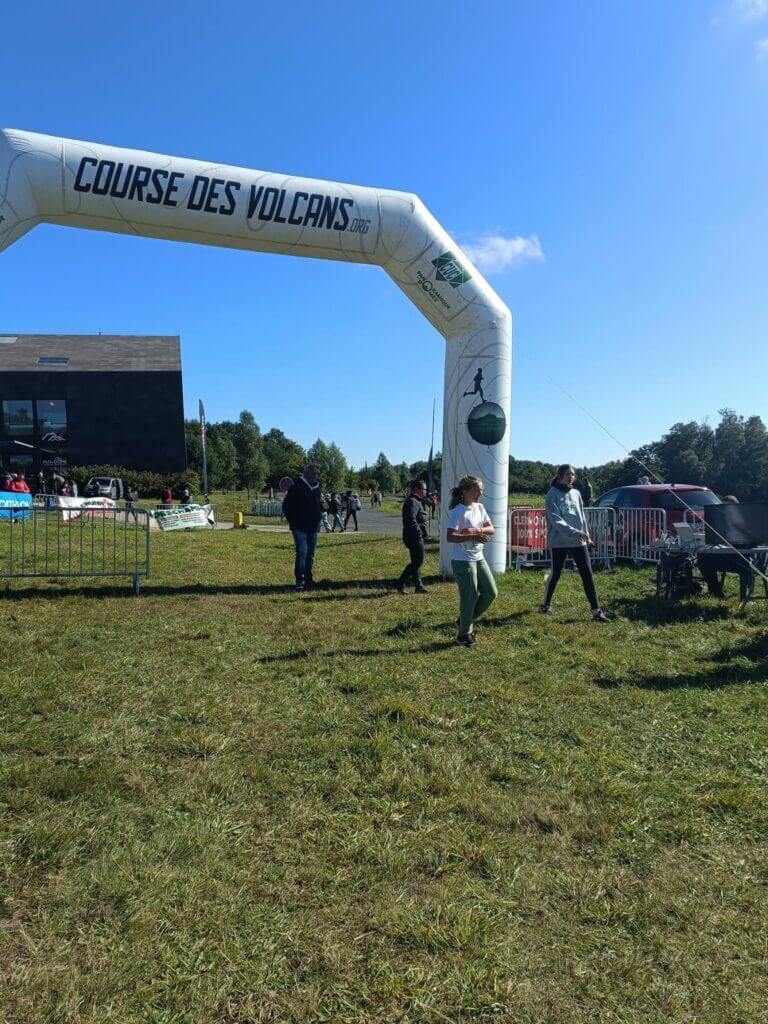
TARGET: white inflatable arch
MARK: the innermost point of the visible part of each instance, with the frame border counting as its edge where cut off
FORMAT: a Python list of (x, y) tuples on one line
[(81, 184)]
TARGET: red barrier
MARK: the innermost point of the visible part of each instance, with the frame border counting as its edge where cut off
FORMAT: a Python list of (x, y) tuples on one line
[(528, 529)]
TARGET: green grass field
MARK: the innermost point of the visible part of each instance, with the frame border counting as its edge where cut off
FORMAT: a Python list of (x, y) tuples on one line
[(222, 801)]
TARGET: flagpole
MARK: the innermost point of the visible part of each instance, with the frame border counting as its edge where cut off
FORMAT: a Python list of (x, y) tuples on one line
[(430, 480), (202, 444)]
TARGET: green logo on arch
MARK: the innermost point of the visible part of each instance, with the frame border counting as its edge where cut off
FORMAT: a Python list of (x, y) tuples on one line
[(449, 269)]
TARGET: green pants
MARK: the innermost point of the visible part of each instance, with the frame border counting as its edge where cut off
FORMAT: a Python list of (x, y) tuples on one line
[(477, 591)]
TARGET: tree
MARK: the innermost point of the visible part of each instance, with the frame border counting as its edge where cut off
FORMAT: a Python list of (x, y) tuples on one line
[(251, 463), (284, 457), (384, 474), (331, 465), (222, 458)]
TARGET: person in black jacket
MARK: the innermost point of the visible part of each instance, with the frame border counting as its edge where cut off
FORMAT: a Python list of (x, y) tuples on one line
[(301, 507), (414, 534)]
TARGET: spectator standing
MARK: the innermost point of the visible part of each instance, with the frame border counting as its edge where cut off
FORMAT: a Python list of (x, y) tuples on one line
[(324, 499), (39, 487), (587, 495), (469, 527), (414, 535), (131, 497), (433, 503), (18, 484), (334, 508), (353, 506), (568, 535), (168, 497), (301, 507), (186, 495), (72, 486)]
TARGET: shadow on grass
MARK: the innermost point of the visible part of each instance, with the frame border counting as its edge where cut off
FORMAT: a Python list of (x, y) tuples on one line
[(656, 610), (355, 652), (732, 665), (323, 590)]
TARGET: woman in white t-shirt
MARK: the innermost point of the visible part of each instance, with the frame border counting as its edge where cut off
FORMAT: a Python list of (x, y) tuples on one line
[(469, 527)]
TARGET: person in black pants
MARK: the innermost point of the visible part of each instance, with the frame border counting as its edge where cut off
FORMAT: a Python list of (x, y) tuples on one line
[(414, 535), (568, 535), (351, 500)]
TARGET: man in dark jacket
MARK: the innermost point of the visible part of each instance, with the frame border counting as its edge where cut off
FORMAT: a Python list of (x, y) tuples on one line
[(414, 534), (301, 507)]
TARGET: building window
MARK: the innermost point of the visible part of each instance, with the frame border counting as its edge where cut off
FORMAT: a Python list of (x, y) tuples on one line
[(21, 463), (18, 419), (52, 360), (52, 420)]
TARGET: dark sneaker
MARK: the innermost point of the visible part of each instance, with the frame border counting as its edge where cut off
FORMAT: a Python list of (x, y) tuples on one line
[(421, 589), (600, 616), (466, 640), (546, 609), (400, 587), (299, 586)]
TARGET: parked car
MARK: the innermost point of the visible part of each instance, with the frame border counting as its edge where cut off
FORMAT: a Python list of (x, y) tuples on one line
[(666, 496), (105, 487)]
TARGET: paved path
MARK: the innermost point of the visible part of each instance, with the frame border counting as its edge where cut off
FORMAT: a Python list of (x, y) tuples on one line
[(371, 520)]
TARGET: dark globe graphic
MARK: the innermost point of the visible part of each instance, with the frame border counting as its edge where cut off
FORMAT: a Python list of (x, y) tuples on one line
[(487, 423)]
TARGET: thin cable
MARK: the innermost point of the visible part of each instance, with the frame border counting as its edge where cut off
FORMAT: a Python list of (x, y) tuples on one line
[(654, 474)]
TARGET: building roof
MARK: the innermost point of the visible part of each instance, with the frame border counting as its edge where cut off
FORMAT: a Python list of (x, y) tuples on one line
[(89, 352)]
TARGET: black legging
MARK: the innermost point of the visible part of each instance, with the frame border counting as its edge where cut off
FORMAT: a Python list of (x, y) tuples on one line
[(580, 555), (416, 551)]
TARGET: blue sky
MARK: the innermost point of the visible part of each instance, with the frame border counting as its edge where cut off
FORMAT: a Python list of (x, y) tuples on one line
[(606, 162)]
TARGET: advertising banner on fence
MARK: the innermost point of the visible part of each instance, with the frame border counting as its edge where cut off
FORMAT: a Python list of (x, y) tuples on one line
[(187, 517), (73, 508), (14, 505), (528, 529)]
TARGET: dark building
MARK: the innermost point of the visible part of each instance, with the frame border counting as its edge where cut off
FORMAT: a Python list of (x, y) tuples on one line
[(84, 399)]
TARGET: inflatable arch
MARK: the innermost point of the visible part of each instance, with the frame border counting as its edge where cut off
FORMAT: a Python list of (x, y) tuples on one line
[(60, 181)]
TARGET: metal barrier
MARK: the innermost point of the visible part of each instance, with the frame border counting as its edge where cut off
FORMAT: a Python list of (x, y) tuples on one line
[(601, 526), (626, 533), (634, 533), (267, 508), (71, 542)]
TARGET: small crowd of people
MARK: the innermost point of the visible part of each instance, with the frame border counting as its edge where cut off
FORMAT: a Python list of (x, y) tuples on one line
[(468, 530), (40, 484), (335, 506)]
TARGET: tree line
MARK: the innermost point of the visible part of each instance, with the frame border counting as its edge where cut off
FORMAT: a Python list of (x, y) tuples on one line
[(731, 458), (240, 457)]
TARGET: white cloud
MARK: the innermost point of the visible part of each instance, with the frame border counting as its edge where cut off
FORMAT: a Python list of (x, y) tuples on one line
[(751, 10), (762, 48), (493, 253), (748, 11)]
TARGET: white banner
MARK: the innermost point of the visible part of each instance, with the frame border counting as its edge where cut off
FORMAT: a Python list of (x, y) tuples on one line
[(75, 507), (187, 517)]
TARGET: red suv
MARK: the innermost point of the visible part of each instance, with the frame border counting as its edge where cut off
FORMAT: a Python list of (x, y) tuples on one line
[(661, 496)]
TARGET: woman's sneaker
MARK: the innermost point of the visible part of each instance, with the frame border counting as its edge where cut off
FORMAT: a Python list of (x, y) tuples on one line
[(598, 615), (466, 640), (546, 609)]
